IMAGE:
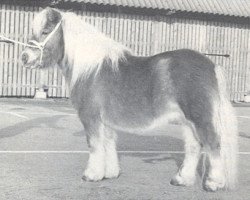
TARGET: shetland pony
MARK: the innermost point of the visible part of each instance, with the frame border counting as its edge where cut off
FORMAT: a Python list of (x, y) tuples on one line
[(114, 90)]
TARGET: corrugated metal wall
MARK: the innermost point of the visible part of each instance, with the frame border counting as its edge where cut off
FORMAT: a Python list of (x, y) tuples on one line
[(146, 35)]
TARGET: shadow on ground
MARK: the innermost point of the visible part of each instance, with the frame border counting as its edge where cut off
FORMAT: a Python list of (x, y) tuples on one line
[(22, 127)]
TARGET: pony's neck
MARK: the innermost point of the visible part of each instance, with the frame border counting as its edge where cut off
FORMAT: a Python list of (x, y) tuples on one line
[(86, 48)]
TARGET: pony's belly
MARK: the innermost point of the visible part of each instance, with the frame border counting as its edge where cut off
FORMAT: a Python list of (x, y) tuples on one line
[(149, 125)]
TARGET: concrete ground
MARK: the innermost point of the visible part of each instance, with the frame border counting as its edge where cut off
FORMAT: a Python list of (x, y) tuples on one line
[(43, 154)]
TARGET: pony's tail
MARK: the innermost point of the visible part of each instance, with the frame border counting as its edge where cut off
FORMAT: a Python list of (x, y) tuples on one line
[(226, 126)]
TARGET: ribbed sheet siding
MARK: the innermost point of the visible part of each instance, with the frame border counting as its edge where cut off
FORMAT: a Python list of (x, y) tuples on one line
[(239, 8), (145, 35), (14, 79)]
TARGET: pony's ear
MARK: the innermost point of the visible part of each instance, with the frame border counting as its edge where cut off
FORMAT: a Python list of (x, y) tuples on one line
[(53, 15)]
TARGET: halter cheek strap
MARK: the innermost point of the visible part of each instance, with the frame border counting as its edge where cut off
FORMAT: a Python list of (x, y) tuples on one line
[(36, 44)]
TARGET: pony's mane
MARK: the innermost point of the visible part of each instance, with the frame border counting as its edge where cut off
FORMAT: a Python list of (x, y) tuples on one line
[(86, 48)]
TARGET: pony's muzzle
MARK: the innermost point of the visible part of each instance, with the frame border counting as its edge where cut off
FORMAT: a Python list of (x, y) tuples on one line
[(29, 58)]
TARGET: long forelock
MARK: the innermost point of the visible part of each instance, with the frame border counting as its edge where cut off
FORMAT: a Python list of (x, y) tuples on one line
[(87, 48)]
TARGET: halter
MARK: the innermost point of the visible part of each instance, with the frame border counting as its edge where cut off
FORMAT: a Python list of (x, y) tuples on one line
[(36, 44)]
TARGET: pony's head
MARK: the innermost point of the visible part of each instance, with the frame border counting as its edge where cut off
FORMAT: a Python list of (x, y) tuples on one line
[(77, 47), (46, 47)]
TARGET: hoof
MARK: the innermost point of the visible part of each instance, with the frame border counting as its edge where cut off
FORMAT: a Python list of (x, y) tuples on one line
[(115, 173), (93, 176), (213, 186), (178, 180)]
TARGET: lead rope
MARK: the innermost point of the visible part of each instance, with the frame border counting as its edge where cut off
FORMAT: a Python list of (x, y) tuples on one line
[(17, 42), (36, 44)]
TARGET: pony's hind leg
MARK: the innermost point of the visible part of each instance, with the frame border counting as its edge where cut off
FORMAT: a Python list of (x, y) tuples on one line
[(220, 145), (216, 176), (187, 173), (223, 147)]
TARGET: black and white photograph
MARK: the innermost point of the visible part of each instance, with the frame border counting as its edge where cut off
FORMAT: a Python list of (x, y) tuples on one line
[(125, 100)]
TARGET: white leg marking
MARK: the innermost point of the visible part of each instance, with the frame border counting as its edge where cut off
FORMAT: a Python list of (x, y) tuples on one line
[(216, 176), (112, 169), (186, 174), (96, 164)]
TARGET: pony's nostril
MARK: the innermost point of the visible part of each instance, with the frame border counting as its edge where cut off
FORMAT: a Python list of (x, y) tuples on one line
[(25, 58)]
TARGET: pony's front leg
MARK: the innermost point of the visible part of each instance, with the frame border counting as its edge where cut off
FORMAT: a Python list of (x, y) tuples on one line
[(95, 169), (103, 159), (112, 168)]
